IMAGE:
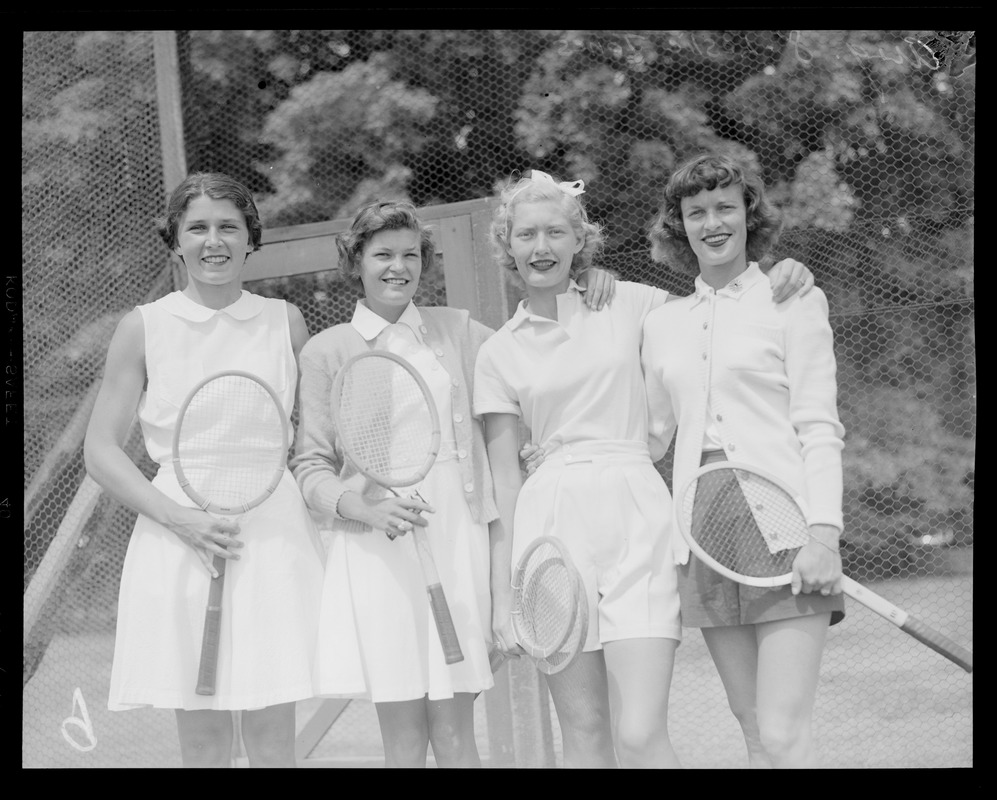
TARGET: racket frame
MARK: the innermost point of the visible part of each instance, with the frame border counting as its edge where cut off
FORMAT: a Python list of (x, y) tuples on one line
[(767, 582), (518, 588), (434, 588), (573, 646), (435, 437), (937, 641), (208, 665), (205, 503)]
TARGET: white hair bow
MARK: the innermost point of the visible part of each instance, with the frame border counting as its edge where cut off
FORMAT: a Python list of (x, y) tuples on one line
[(573, 188)]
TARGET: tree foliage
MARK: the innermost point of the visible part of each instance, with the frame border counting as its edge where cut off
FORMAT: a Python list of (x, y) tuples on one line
[(865, 139)]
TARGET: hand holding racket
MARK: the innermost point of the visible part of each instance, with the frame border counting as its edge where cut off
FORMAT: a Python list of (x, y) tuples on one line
[(749, 526), (229, 452), (387, 423), (550, 609)]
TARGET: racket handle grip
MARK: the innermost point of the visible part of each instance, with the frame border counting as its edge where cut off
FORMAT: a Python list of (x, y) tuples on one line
[(212, 631), (444, 624), (908, 624), (939, 643)]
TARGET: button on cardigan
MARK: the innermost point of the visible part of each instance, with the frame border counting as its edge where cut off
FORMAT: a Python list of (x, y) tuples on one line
[(767, 372), (320, 466)]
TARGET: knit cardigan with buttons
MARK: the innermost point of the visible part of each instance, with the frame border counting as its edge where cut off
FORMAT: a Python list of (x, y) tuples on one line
[(320, 466)]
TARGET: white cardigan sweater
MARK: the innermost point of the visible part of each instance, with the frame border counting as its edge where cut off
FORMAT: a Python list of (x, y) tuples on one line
[(766, 372)]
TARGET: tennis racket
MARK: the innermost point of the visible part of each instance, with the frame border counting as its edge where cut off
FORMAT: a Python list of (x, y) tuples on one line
[(748, 526), (387, 423), (550, 609), (229, 452)]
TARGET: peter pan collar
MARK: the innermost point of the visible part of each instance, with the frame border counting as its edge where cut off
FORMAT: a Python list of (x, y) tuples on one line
[(246, 307), (370, 325)]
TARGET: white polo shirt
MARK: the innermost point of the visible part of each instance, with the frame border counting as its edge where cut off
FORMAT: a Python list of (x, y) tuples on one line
[(574, 379)]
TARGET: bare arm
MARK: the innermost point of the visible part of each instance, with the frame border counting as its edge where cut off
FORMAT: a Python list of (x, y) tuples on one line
[(502, 441), (111, 467), (299, 328)]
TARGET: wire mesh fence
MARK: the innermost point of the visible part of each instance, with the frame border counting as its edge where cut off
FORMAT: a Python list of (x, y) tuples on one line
[(865, 140)]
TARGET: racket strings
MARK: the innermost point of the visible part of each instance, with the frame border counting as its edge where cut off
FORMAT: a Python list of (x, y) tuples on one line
[(745, 523), (384, 420), (547, 605), (561, 658), (232, 441)]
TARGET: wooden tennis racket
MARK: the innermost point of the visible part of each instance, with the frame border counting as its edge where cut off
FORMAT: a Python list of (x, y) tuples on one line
[(388, 425), (550, 609), (749, 525), (229, 452)]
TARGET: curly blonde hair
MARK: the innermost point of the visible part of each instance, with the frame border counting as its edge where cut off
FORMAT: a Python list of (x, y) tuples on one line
[(709, 171), (527, 190)]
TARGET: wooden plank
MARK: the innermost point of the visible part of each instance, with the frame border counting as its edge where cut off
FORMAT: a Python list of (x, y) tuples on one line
[(292, 252), (317, 726), (458, 264), (58, 552), (293, 257), (169, 108), (494, 306)]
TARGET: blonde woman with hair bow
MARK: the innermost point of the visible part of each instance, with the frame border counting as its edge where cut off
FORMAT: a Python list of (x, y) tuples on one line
[(573, 375)]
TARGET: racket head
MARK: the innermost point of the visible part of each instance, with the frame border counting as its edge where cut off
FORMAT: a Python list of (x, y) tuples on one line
[(743, 522), (545, 595), (230, 442), (565, 655), (386, 418)]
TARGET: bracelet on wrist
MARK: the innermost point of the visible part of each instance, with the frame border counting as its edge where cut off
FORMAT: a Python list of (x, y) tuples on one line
[(822, 544)]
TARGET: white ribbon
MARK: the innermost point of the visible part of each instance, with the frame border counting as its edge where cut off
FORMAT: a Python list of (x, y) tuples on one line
[(573, 188)]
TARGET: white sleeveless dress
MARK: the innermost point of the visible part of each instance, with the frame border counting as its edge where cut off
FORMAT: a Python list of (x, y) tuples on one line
[(271, 597), (378, 639)]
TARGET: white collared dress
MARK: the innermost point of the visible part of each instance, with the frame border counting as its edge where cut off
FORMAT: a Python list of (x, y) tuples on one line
[(271, 595), (378, 639)]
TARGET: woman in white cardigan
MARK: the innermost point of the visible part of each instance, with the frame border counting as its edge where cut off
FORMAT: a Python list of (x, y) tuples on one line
[(746, 379)]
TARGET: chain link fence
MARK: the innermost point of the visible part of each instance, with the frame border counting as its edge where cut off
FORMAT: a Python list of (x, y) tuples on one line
[(866, 140)]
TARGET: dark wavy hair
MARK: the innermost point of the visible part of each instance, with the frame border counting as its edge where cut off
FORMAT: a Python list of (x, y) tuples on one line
[(709, 171), (371, 220), (217, 186)]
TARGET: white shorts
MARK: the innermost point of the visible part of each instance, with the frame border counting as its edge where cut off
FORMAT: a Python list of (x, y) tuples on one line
[(608, 504)]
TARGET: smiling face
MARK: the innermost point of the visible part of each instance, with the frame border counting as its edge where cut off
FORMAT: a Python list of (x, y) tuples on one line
[(390, 268), (543, 244), (715, 222), (213, 240)]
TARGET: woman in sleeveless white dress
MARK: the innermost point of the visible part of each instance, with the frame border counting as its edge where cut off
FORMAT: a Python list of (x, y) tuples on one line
[(274, 572)]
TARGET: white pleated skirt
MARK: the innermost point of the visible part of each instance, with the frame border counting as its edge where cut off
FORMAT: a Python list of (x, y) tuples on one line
[(269, 611), (377, 635)]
